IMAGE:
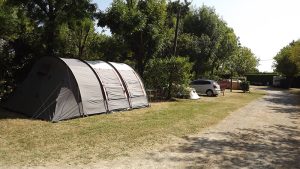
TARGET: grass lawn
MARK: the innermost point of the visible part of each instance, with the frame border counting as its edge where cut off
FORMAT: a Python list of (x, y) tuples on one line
[(294, 91), (33, 142)]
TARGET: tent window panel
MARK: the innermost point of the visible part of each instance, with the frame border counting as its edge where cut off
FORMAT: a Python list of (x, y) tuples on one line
[(115, 93), (113, 86), (136, 93), (95, 100), (133, 83), (108, 77), (130, 77), (130, 81), (135, 90), (110, 80)]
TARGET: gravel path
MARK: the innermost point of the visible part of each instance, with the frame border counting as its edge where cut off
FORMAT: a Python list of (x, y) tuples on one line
[(263, 134)]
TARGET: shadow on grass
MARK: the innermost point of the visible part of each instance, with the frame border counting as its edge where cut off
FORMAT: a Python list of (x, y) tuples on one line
[(250, 148), (285, 102), (283, 97), (294, 112), (277, 147), (5, 114)]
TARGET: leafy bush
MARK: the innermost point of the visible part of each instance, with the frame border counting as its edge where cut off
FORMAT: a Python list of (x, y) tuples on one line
[(245, 85), (168, 75)]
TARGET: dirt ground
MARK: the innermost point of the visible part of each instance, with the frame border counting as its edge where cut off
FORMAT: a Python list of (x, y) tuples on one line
[(263, 134)]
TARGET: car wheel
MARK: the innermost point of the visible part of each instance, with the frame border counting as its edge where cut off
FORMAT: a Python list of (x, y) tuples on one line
[(209, 93)]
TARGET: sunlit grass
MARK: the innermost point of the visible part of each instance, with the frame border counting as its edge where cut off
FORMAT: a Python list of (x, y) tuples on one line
[(294, 91), (83, 140)]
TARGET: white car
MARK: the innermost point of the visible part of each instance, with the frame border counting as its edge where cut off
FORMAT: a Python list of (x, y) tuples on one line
[(208, 87)]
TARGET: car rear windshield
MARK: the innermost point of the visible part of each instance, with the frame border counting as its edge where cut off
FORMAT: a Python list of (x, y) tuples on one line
[(200, 82)]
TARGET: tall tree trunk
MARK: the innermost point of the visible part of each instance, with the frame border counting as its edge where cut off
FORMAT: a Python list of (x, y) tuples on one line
[(213, 65), (170, 86), (176, 31), (82, 42), (50, 32), (290, 80), (140, 56), (50, 41), (231, 74)]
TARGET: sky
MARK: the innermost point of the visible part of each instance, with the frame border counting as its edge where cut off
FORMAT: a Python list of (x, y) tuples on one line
[(264, 26)]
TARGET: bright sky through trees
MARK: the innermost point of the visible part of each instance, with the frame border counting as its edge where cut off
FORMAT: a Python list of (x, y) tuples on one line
[(265, 26)]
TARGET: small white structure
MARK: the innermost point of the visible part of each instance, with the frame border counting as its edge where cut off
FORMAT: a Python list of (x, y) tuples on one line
[(193, 94)]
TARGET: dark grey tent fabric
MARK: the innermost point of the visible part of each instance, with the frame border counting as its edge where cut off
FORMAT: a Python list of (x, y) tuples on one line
[(89, 86), (49, 92), (59, 88)]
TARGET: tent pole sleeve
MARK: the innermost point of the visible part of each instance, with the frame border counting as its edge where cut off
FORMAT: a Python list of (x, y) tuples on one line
[(123, 82), (80, 105), (100, 83), (142, 85)]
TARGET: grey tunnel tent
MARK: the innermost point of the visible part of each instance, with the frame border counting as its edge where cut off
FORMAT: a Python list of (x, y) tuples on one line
[(59, 88)]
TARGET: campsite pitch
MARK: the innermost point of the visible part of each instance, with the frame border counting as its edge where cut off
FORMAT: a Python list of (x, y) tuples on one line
[(28, 142)]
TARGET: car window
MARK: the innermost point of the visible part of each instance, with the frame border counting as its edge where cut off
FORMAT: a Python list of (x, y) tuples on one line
[(206, 82), (200, 82), (196, 82), (193, 83)]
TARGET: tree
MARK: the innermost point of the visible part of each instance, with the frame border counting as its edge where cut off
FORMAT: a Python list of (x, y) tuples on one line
[(287, 61), (295, 52), (244, 61), (17, 40), (160, 74), (49, 15), (110, 48), (29, 29), (216, 40), (180, 10), (76, 37), (140, 24)]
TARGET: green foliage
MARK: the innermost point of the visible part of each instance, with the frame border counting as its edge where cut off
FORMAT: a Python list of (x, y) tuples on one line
[(48, 16), (142, 31), (8, 20), (287, 61), (168, 75), (295, 51), (245, 86), (30, 30), (243, 61), (76, 39), (17, 43), (141, 26), (216, 42)]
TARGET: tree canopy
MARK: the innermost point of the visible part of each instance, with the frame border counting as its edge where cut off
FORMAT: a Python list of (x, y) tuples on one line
[(140, 24), (216, 41), (144, 34), (287, 61)]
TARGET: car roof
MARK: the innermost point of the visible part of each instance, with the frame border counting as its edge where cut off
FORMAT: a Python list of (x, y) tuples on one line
[(204, 80)]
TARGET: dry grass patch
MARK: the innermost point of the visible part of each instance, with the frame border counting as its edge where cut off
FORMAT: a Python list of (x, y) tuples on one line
[(84, 140), (294, 91)]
